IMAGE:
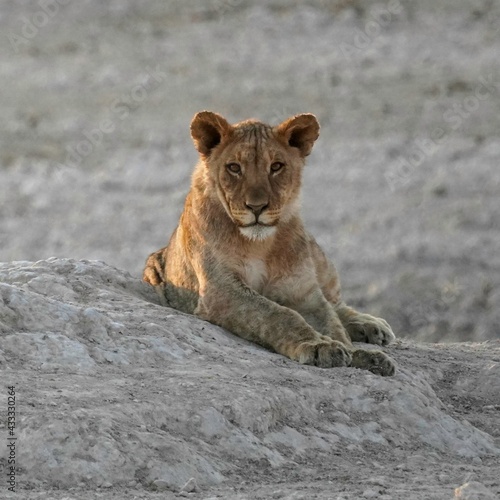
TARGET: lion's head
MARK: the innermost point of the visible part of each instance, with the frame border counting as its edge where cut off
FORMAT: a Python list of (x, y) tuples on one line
[(255, 169)]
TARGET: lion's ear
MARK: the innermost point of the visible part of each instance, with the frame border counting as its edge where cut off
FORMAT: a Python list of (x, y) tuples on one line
[(208, 129), (299, 131)]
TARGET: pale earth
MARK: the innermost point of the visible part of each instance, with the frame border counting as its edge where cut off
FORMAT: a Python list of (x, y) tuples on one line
[(118, 395)]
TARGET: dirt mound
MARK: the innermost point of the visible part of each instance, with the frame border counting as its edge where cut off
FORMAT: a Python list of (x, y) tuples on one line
[(117, 395)]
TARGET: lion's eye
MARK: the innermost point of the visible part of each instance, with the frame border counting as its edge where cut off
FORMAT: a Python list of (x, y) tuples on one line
[(234, 168), (277, 166)]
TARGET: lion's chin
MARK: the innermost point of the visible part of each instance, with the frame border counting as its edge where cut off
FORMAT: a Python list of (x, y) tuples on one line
[(257, 232)]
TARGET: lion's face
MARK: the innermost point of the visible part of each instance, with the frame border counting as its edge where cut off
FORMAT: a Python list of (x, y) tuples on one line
[(258, 179), (255, 169)]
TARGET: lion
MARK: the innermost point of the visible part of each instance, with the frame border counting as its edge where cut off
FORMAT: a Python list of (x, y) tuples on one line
[(242, 259)]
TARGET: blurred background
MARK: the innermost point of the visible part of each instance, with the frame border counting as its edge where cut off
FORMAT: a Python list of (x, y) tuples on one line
[(402, 189)]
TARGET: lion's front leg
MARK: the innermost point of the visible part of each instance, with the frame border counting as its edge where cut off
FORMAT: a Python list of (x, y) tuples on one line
[(320, 314), (258, 319), (364, 327), (325, 318)]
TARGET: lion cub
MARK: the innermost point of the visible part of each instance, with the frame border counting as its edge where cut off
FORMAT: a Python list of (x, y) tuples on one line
[(242, 259)]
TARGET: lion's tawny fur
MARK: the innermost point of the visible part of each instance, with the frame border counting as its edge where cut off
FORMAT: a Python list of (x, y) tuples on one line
[(242, 259)]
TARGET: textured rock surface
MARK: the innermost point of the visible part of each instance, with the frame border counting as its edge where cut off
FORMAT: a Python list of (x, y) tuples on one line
[(113, 389)]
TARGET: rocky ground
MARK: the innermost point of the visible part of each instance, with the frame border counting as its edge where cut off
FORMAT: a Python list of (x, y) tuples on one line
[(401, 190), (119, 397)]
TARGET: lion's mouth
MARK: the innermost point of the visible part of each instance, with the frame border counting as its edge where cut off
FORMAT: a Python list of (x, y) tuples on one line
[(257, 223), (258, 231)]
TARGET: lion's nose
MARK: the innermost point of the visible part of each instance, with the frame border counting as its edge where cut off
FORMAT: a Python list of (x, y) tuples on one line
[(257, 209)]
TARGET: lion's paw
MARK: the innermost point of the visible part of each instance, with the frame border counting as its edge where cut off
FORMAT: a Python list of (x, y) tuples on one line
[(369, 329), (376, 361), (154, 273), (324, 353)]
